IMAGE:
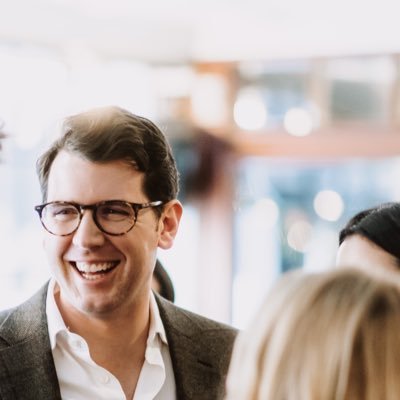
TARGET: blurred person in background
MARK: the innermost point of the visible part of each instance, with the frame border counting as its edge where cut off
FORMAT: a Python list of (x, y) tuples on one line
[(162, 283), (371, 238), (96, 330), (2, 136), (332, 335)]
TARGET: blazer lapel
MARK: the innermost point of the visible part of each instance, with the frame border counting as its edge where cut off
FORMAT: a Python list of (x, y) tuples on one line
[(27, 368)]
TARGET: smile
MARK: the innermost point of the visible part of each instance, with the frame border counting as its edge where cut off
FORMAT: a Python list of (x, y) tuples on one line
[(93, 271)]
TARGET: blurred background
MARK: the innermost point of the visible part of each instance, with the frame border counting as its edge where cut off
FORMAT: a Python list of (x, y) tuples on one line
[(284, 118)]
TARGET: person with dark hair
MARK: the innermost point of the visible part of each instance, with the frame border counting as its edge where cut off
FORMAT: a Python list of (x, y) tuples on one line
[(162, 282), (371, 238), (96, 330)]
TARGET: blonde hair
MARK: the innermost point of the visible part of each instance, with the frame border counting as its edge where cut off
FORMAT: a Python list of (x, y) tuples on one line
[(333, 335)]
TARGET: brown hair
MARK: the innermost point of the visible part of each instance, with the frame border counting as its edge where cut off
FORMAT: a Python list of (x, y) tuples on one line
[(110, 134)]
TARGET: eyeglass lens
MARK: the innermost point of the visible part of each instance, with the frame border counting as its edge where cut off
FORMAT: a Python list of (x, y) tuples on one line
[(111, 217)]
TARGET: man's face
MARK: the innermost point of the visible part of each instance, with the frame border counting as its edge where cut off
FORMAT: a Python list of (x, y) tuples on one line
[(127, 261)]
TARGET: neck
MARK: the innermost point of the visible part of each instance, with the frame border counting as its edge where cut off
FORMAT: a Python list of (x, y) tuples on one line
[(117, 341), (115, 329)]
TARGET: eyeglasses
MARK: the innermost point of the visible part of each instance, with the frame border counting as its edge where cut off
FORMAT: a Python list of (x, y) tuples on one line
[(113, 217)]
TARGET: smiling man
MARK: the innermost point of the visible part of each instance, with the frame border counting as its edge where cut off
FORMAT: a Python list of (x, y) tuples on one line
[(96, 330)]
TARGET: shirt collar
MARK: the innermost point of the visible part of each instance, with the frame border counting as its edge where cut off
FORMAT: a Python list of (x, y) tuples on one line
[(156, 325), (56, 323)]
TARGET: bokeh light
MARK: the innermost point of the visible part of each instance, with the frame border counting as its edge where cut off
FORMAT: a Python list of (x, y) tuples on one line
[(249, 111), (329, 205), (298, 122)]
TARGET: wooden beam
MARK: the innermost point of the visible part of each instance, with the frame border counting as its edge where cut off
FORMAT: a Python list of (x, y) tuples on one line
[(325, 144)]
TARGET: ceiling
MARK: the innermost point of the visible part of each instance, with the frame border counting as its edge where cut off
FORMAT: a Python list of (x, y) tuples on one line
[(221, 30)]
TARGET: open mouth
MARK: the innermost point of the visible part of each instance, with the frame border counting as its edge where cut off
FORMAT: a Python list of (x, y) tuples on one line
[(93, 271)]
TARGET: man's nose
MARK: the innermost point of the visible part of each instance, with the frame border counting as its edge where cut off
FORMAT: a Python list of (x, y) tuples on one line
[(88, 235)]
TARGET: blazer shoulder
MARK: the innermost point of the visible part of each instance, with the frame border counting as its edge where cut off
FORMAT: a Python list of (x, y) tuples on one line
[(200, 331), (4, 314), (176, 316), (200, 350), (19, 322)]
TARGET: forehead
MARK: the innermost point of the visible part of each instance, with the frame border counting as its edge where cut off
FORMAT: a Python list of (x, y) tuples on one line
[(360, 252), (73, 178)]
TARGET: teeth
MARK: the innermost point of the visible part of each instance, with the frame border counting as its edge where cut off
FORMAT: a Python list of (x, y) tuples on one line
[(92, 268), (91, 277)]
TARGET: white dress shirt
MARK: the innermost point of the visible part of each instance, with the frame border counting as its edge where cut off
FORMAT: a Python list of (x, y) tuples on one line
[(80, 378)]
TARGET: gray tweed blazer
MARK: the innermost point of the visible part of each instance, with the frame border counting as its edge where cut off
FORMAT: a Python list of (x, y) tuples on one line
[(200, 351)]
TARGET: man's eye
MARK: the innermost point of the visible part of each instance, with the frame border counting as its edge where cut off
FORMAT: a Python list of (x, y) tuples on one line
[(63, 213), (115, 210)]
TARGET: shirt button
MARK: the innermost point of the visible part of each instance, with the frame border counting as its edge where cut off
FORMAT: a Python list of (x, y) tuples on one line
[(105, 379)]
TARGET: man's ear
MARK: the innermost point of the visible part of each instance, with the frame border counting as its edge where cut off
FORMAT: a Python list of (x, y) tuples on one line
[(169, 223)]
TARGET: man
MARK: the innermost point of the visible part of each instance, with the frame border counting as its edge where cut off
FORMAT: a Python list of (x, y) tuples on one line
[(97, 331)]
